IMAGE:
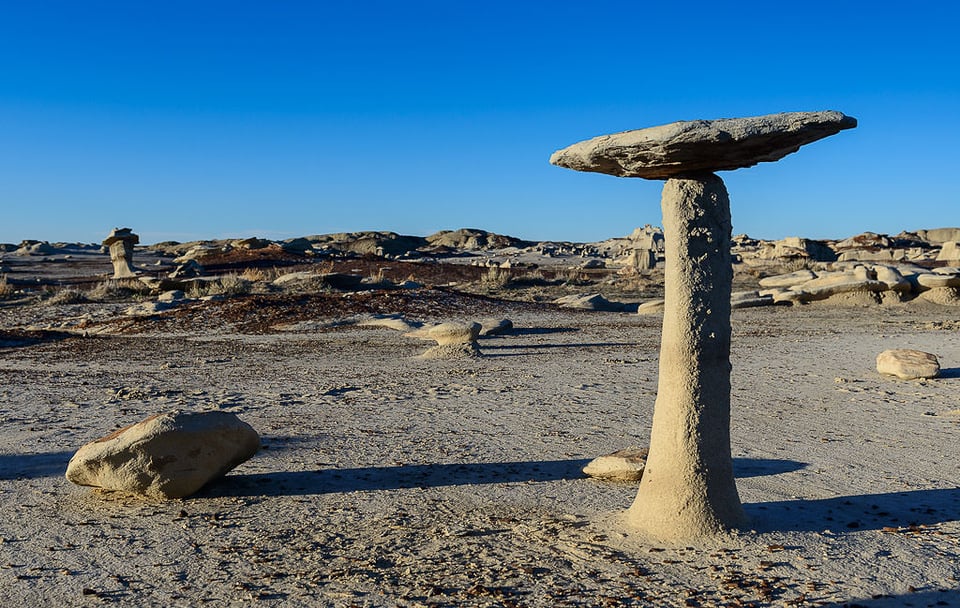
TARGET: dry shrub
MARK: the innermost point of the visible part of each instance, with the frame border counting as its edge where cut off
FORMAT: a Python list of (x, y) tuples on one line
[(228, 285), (67, 296), (6, 289), (495, 278), (119, 290)]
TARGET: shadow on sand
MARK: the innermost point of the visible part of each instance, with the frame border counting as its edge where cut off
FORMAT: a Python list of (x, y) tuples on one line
[(864, 512), (935, 597), (950, 372), (327, 481), (33, 466)]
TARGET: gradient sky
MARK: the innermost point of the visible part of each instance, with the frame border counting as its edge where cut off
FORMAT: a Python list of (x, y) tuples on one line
[(189, 119)]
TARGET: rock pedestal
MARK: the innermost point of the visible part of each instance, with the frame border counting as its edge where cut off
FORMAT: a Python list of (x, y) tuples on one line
[(688, 489), (694, 382), (120, 241)]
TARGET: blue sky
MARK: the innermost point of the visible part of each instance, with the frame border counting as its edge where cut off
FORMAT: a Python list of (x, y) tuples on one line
[(189, 119)]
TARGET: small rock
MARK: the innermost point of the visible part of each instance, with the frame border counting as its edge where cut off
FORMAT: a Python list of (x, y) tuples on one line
[(495, 327), (622, 465), (908, 364), (169, 455), (593, 301), (653, 307)]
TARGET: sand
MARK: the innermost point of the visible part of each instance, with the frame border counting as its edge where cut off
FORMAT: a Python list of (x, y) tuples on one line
[(390, 480)]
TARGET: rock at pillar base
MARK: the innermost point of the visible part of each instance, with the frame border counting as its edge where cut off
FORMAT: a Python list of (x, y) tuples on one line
[(688, 489), (120, 242)]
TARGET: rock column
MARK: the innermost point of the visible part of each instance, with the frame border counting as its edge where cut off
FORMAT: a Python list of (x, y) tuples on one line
[(120, 242), (688, 487)]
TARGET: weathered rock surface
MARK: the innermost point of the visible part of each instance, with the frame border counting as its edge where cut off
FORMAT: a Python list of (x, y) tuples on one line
[(120, 242), (908, 364), (701, 146), (622, 465), (454, 333), (169, 455)]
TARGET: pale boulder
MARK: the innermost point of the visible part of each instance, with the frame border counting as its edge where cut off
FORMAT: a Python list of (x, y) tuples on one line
[(908, 364), (934, 279), (168, 455), (622, 465)]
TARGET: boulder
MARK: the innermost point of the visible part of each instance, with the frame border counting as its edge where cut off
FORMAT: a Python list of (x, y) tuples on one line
[(701, 146), (396, 322), (653, 307), (169, 455), (908, 364), (892, 279), (495, 327), (454, 333), (593, 301), (932, 280), (622, 465)]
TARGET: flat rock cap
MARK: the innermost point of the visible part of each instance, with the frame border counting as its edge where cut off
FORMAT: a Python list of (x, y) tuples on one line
[(701, 146)]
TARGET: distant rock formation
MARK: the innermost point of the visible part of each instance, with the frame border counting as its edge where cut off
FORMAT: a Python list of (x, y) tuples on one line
[(120, 242)]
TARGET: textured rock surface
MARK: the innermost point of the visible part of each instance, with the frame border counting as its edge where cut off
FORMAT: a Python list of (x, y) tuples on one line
[(169, 455), (120, 242), (908, 364), (688, 489), (701, 146), (622, 465)]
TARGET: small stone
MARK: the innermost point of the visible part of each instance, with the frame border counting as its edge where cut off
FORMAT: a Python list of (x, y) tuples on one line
[(495, 327), (454, 333), (169, 455), (622, 465), (908, 364)]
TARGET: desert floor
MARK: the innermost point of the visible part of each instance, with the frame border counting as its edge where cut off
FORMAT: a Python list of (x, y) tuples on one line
[(390, 480)]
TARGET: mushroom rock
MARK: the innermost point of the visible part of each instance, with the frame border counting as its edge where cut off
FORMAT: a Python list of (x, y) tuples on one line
[(120, 242), (701, 146), (688, 489)]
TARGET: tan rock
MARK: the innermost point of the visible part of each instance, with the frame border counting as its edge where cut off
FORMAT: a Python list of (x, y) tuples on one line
[(454, 333), (120, 241), (945, 296), (701, 146), (622, 465), (653, 307), (908, 364), (788, 280), (169, 455), (932, 280)]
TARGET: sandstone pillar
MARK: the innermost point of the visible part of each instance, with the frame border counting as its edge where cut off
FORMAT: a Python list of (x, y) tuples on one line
[(120, 242), (688, 487)]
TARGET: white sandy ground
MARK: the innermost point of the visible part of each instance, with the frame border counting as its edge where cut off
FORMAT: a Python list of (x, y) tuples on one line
[(388, 480)]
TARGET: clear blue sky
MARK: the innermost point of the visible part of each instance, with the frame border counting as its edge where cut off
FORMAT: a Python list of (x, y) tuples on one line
[(190, 119)]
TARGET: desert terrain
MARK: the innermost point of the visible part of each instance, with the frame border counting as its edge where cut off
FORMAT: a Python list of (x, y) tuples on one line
[(387, 479)]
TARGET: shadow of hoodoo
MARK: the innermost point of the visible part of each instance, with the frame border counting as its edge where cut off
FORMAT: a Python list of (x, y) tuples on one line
[(327, 481), (863, 512)]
